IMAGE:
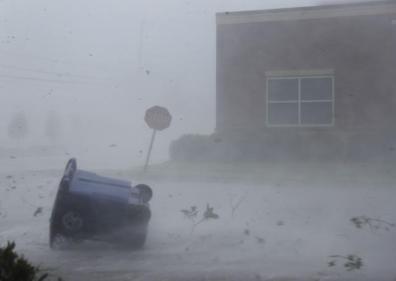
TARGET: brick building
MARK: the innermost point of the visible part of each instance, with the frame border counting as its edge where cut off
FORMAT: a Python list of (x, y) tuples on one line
[(308, 83)]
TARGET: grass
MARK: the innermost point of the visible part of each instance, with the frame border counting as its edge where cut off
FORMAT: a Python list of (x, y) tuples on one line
[(266, 172)]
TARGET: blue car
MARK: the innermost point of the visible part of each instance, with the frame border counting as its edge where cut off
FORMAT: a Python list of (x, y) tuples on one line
[(91, 207)]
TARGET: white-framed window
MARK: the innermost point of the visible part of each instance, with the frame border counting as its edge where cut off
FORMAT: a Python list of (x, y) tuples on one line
[(300, 100)]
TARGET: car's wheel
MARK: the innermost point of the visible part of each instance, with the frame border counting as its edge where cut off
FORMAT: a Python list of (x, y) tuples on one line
[(145, 191), (67, 229), (72, 222)]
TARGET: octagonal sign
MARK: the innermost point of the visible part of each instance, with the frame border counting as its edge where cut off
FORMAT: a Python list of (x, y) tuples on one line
[(158, 118)]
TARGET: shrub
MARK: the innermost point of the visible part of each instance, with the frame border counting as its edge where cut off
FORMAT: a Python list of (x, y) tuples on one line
[(16, 268), (192, 148)]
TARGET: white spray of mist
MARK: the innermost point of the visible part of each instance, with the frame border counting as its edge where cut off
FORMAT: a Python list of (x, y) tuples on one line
[(100, 65)]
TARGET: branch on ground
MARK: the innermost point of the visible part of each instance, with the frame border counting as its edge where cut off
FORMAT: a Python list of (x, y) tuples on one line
[(15, 267), (372, 223), (350, 262), (192, 215)]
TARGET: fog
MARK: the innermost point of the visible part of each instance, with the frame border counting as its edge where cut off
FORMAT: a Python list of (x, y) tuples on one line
[(76, 79), (100, 65)]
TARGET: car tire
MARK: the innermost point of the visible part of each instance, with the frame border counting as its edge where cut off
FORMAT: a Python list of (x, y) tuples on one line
[(66, 230), (145, 191), (72, 222)]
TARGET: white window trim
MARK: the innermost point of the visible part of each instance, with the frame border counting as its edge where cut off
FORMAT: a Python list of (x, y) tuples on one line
[(299, 101)]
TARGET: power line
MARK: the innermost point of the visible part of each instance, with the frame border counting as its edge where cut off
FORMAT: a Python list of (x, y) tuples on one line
[(53, 61), (19, 54), (41, 79), (45, 71), (56, 61)]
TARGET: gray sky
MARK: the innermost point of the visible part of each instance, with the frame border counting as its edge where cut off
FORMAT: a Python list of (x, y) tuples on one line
[(101, 64)]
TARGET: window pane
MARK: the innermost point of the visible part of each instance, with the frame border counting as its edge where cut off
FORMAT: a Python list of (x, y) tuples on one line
[(282, 89), (283, 113), (316, 89), (316, 113)]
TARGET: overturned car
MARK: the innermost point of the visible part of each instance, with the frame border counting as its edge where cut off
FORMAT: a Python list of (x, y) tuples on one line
[(91, 207)]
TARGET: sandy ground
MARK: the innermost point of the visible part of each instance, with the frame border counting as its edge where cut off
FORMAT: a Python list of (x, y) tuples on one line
[(283, 229)]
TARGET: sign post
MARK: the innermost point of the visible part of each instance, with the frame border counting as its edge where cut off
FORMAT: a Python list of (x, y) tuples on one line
[(157, 118), (149, 150)]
